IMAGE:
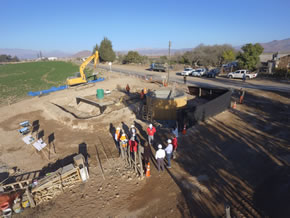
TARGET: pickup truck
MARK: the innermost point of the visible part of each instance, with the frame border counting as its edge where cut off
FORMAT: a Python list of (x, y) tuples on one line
[(239, 74), (157, 67)]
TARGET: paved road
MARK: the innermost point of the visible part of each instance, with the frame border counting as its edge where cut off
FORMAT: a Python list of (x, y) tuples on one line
[(209, 82)]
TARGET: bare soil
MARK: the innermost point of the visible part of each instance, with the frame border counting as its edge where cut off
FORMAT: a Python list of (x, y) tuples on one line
[(238, 158)]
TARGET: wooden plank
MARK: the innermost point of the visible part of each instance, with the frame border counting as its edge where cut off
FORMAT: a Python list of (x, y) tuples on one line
[(100, 164), (30, 198), (140, 161)]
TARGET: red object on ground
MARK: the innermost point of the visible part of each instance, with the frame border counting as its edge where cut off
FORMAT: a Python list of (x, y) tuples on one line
[(133, 145), (7, 199), (151, 131), (174, 143)]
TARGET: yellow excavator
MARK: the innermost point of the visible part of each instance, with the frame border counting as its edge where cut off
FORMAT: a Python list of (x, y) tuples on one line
[(81, 78)]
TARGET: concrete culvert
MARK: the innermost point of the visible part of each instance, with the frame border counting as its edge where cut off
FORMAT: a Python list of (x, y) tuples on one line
[(164, 102)]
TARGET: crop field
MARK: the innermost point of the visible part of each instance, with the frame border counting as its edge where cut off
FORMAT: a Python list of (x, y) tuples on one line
[(18, 79)]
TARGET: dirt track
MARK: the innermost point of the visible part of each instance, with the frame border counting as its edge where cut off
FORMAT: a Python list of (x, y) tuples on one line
[(239, 157)]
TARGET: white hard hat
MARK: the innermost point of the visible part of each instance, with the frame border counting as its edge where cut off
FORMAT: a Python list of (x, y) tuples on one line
[(150, 126), (159, 146), (169, 141), (132, 126), (118, 128), (123, 134)]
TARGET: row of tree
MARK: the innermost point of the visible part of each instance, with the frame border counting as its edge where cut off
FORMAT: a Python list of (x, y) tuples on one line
[(202, 55), (217, 55), (8, 58)]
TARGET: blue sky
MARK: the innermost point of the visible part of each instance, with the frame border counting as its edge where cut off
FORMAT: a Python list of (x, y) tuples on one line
[(74, 25)]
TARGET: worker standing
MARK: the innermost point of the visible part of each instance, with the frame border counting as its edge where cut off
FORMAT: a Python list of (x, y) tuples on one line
[(133, 145), (175, 144), (133, 131), (142, 94), (117, 138), (159, 156), (184, 79), (168, 151), (244, 77), (128, 89), (151, 131), (123, 145)]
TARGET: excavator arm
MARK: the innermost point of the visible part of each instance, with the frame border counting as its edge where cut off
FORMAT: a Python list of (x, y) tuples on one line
[(87, 61), (82, 78)]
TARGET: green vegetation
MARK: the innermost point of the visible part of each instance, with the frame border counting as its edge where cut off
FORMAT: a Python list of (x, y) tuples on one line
[(106, 50), (132, 57), (206, 55), (249, 58), (8, 58), (96, 48), (18, 79)]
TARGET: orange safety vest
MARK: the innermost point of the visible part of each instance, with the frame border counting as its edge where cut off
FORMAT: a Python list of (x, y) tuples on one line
[(123, 140)]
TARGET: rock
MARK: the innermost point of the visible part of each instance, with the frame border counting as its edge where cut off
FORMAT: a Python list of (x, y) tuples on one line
[(129, 178), (100, 189), (109, 185), (117, 195), (116, 186)]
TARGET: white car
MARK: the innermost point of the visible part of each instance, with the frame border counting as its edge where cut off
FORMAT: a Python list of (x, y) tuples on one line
[(186, 72), (196, 73), (202, 71), (199, 72), (239, 74)]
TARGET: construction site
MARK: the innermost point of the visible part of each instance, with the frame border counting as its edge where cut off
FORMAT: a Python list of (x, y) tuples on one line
[(59, 157)]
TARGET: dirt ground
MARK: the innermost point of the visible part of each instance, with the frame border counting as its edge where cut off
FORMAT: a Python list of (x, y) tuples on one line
[(238, 158)]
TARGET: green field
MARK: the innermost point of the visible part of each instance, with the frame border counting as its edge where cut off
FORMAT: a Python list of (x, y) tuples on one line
[(18, 79)]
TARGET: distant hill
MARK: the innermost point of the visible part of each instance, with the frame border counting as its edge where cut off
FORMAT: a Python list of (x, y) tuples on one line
[(82, 54), (32, 54), (277, 45)]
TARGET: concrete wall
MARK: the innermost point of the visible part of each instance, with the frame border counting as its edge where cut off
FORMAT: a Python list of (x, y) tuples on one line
[(165, 109)]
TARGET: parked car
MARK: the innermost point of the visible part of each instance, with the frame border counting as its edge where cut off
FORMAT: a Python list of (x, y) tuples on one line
[(239, 74), (195, 73), (213, 73), (186, 72), (202, 71)]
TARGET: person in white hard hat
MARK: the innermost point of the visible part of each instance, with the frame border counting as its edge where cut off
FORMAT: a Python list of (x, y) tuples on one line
[(133, 131), (160, 155), (151, 131), (168, 151)]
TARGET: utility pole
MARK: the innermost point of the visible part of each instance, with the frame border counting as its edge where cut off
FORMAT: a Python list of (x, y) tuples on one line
[(168, 61)]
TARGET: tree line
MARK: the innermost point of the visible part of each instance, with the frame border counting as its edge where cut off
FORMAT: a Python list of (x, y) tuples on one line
[(202, 55), (8, 58)]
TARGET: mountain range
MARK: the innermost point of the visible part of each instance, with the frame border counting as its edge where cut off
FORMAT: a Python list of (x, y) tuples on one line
[(269, 47)]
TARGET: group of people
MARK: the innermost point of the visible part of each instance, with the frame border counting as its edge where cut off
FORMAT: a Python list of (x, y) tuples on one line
[(168, 152), (122, 140)]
